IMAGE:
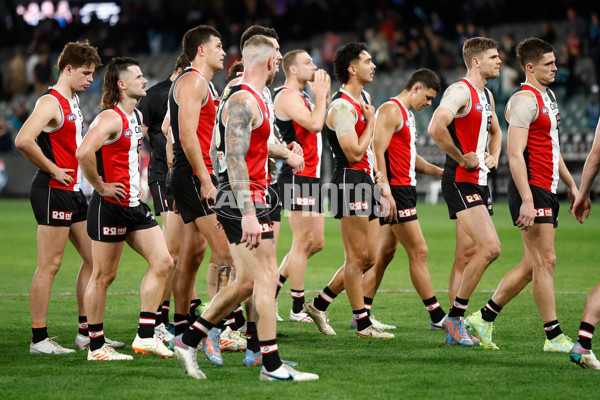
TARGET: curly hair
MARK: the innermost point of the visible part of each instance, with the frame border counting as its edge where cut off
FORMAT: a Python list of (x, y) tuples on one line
[(344, 56)]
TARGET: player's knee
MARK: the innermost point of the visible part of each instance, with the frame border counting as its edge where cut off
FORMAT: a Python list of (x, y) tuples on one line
[(318, 244), (421, 253), (164, 264), (104, 279), (492, 252), (549, 260)]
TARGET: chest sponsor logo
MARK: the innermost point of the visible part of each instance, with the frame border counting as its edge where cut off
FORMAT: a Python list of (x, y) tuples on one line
[(114, 230), (71, 117), (128, 133), (479, 107), (409, 212), (62, 215), (472, 198), (543, 212), (545, 110)]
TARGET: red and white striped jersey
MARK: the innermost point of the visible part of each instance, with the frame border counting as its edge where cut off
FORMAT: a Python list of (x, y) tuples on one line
[(60, 144), (204, 130), (339, 158), (118, 159), (542, 153), (311, 142), (257, 157), (469, 132), (401, 154)]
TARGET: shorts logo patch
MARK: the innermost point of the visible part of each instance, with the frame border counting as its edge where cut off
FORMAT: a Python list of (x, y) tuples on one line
[(305, 201), (266, 227), (114, 230), (62, 215), (128, 133), (71, 117), (543, 212), (409, 212), (358, 206), (472, 198)]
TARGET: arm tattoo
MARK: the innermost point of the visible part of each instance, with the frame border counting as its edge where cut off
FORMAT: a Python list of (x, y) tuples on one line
[(278, 151), (237, 142)]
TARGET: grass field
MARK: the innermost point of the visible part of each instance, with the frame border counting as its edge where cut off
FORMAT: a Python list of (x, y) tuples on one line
[(415, 365)]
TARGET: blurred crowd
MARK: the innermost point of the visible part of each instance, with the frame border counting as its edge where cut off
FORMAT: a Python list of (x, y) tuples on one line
[(401, 35)]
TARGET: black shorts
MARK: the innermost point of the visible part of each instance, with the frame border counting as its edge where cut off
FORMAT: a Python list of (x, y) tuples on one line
[(187, 198), (57, 207), (406, 202), (161, 197), (545, 203), (231, 218), (110, 222), (352, 192), (300, 193), (274, 202), (461, 196)]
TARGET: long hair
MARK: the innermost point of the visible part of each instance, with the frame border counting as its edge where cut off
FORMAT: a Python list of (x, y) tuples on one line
[(110, 87)]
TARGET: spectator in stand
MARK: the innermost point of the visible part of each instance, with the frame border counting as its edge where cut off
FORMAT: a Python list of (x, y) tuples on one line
[(6, 142), (42, 73), (17, 80)]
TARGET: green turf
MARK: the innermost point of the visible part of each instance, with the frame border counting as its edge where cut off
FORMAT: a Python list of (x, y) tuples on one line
[(415, 365)]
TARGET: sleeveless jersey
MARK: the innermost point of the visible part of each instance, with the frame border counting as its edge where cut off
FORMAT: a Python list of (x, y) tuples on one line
[(542, 152), (401, 153), (257, 158), (153, 108), (311, 142), (118, 159), (274, 164), (339, 158), (204, 130), (60, 144), (469, 132)]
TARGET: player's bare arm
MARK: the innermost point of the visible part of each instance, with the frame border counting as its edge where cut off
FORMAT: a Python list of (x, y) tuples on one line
[(166, 130), (567, 179), (343, 117), (45, 116), (494, 142), (241, 114), (105, 127), (423, 166), (454, 102), (591, 167), (191, 92), (286, 153), (290, 105)]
